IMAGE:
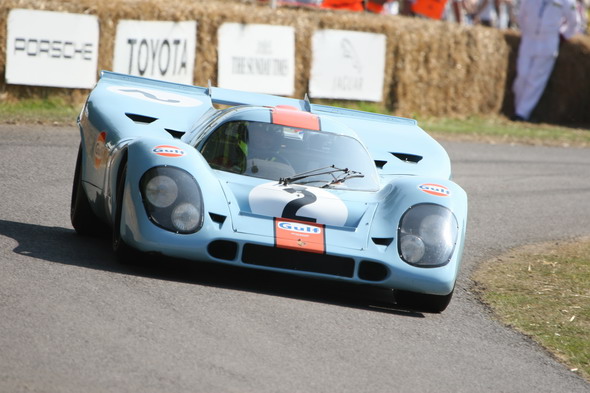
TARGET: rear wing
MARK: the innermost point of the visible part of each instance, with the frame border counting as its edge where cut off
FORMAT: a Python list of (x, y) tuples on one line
[(397, 144), (235, 97)]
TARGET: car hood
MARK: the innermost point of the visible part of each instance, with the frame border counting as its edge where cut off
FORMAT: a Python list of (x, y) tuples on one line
[(260, 200)]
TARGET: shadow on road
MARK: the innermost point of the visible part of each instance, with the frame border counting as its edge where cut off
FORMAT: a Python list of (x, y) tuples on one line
[(63, 245)]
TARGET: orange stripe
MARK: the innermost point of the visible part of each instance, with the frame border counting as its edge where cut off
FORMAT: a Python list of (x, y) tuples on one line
[(292, 117)]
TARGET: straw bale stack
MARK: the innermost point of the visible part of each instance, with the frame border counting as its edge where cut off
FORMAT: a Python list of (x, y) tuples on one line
[(432, 68)]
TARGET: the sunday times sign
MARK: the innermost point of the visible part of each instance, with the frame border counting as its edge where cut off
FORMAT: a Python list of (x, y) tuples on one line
[(257, 58), (157, 50), (347, 65), (56, 49)]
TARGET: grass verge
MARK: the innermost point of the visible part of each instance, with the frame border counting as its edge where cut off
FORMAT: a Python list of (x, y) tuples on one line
[(543, 291), (499, 129), (489, 129), (39, 111)]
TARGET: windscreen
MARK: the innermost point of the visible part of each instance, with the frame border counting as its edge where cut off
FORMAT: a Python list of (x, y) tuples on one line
[(301, 156)]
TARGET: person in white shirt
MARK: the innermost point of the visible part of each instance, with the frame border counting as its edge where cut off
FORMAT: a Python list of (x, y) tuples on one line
[(486, 13), (542, 23)]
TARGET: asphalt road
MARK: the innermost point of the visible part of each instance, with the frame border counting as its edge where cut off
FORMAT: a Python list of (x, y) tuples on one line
[(73, 320)]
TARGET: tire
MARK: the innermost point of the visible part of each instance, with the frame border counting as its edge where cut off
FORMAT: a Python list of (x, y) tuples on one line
[(123, 252), (84, 221), (422, 301)]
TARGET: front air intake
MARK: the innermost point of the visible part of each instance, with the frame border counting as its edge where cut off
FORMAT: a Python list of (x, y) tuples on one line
[(283, 258), (223, 249), (372, 271)]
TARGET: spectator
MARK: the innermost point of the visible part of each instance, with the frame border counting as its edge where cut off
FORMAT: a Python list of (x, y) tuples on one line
[(455, 11), (392, 7), (432, 9), (485, 13), (376, 6), (582, 8), (506, 14), (542, 23), (405, 7), (350, 5), (301, 2)]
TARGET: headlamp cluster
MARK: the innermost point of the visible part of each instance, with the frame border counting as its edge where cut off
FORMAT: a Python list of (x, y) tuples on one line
[(427, 235), (172, 199)]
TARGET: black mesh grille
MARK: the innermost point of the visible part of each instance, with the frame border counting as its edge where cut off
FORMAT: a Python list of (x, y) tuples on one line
[(283, 258)]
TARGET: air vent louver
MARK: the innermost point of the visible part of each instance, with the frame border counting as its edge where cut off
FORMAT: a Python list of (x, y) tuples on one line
[(141, 119), (175, 134), (408, 157), (380, 163)]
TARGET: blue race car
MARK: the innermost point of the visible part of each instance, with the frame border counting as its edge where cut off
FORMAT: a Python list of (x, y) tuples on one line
[(269, 183)]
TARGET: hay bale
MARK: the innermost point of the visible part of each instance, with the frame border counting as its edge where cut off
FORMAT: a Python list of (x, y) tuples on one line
[(432, 68)]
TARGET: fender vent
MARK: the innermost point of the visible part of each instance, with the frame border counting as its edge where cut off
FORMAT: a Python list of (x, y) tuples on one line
[(218, 218), (141, 119), (413, 158), (380, 163), (175, 134), (382, 241)]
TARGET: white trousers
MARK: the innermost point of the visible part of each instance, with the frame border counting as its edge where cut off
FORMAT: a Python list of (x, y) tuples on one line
[(532, 74)]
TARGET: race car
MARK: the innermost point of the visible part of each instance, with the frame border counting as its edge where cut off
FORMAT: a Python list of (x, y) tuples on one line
[(271, 183)]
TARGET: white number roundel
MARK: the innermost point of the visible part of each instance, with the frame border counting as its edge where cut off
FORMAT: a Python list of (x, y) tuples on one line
[(298, 203)]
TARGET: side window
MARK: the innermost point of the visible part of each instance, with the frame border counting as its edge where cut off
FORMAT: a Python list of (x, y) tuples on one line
[(226, 147)]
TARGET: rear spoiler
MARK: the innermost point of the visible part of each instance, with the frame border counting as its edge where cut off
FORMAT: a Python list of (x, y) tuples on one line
[(235, 97), (231, 97)]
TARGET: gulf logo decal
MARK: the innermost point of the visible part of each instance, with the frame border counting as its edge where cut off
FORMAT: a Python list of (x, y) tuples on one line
[(435, 189), (297, 235), (168, 151)]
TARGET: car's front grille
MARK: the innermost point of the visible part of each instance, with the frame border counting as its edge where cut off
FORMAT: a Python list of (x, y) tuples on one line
[(283, 258)]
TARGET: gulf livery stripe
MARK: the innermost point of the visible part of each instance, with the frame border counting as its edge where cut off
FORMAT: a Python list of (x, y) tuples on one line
[(290, 116)]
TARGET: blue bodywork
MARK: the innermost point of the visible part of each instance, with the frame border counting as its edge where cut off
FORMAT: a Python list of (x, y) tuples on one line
[(130, 125)]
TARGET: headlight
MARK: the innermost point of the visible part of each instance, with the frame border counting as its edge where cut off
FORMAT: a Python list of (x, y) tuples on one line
[(161, 191), (172, 199), (427, 235), (186, 217)]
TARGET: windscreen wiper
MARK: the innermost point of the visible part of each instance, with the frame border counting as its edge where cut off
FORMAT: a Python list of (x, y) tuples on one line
[(328, 170), (341, 179)]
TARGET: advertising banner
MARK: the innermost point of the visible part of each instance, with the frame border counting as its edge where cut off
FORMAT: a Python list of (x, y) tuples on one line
[(156, 50), (46, 48), (347, 65), (257, 58)]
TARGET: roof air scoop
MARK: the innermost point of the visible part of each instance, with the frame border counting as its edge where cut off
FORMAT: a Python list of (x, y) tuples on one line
[(409, 158)]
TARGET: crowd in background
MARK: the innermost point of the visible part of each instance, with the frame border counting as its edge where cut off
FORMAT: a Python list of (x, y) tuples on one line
[(493, 13), (543, 24)]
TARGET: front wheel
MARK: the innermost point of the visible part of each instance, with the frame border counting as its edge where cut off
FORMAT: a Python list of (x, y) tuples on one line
[(84, 221), (422, 301)]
